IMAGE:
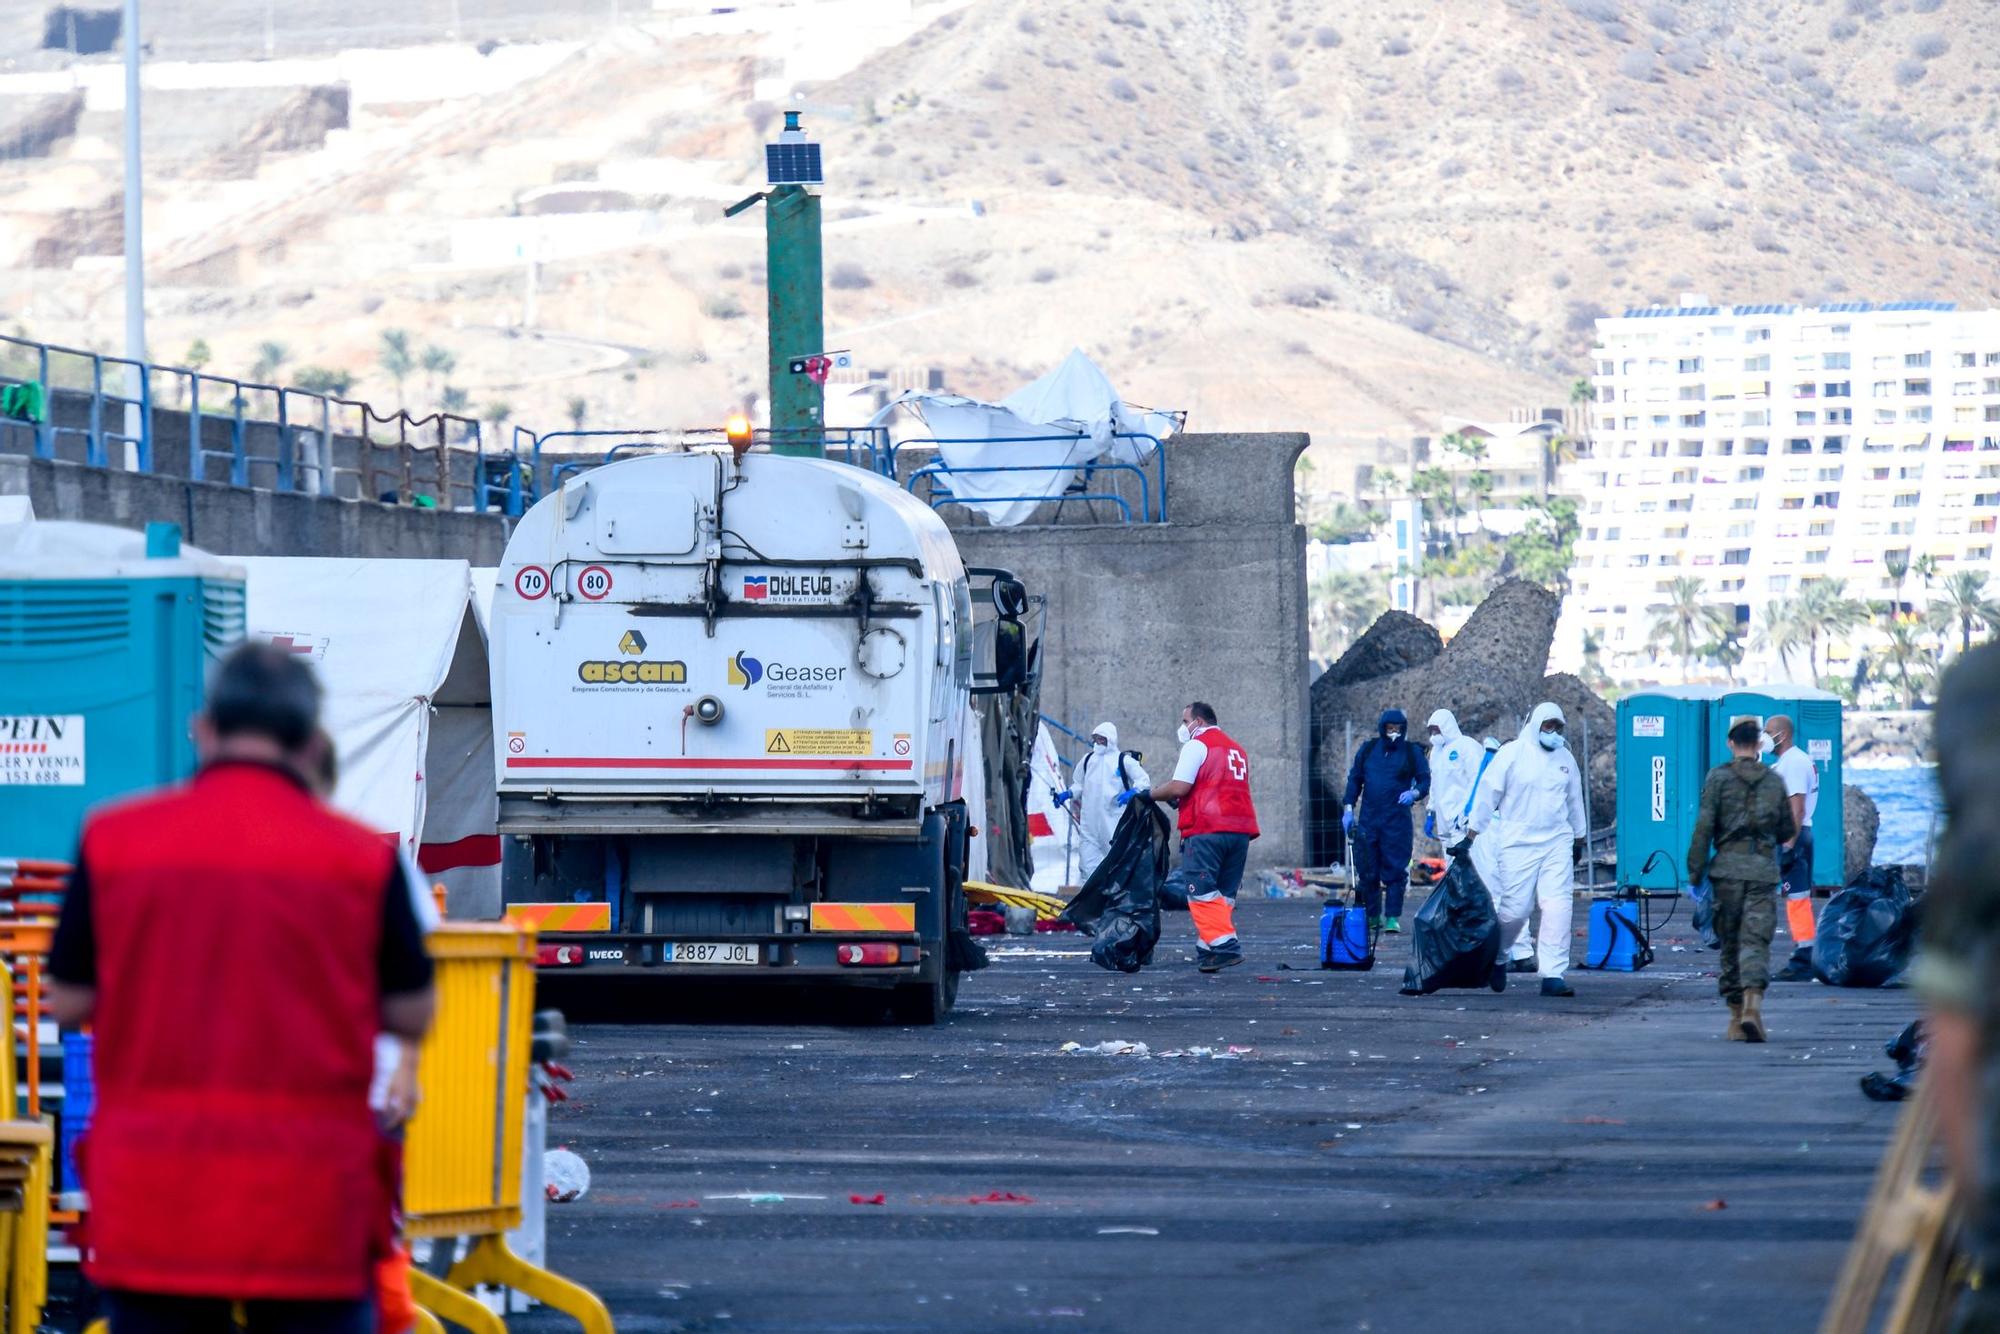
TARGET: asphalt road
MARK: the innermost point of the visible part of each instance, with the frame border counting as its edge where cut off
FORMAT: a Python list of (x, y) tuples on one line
[(1370, 1162)]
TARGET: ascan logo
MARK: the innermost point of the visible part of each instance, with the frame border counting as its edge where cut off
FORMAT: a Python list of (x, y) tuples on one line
[(745, 671), (632, 644)]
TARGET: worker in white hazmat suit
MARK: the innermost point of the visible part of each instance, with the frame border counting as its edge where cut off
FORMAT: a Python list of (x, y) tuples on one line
[(1531, 799), (1455, 761), (1092, 795)]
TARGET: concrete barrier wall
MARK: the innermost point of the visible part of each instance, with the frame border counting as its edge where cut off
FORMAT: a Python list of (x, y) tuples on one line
[(1211, 606), (233, 522)]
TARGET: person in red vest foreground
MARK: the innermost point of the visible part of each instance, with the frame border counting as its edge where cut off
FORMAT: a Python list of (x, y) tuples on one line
[(237, 947), (1211, 786)]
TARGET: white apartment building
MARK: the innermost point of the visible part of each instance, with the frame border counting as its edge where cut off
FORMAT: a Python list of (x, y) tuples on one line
[(1760, 447)]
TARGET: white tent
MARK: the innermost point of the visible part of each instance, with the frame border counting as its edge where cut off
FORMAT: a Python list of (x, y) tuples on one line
[(1068, 418), (400, 647)]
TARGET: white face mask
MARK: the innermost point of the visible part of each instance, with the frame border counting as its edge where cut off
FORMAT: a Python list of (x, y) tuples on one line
[(1097, 744), (1765, 745), (1550, 740), (1184, 735)]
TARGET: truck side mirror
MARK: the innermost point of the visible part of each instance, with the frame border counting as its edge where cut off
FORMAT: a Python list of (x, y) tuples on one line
[(1010, 652), (1010, 598)]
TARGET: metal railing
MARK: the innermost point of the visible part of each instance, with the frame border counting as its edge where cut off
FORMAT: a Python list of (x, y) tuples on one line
[(245, 433), (109, 412)]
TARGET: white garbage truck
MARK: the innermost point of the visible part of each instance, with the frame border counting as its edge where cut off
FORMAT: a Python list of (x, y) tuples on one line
[(730, 711)]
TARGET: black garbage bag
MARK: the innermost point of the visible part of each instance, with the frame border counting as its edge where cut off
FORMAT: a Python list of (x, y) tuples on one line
[(1866, 932), (1457, 937), (1906, 1049), (1120, 903)]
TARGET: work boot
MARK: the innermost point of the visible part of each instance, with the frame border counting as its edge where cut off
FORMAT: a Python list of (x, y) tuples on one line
[(1499, 979), (1798, 968), (1555, 986), (1374, 924), (1753, 1014), (1215, 963), (1527, 965), (1393, 925), (1734, 1033)]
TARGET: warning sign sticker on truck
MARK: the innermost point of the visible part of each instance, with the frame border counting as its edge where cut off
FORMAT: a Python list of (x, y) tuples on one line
[(41, 750), (817, 741)]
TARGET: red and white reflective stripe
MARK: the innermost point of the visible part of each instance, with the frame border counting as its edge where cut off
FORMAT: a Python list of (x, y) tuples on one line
[(472, 850), (689, 762)]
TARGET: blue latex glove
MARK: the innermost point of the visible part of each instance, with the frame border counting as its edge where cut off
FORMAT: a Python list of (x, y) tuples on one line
[(1063, 797), (1125, 797), (1408, 798), (1347, 822), (1430, 824)]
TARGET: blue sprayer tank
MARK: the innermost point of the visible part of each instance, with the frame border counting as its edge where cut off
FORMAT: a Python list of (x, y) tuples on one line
[(106, 635)]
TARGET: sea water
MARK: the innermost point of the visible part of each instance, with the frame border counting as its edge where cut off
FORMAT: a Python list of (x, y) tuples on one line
[(1907, 797)]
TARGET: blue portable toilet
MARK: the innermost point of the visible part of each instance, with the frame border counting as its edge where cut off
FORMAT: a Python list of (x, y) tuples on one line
[(106, 635), (1816, 716), (1663, 754)]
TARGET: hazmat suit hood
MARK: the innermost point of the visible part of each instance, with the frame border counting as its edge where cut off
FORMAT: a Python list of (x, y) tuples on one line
[(1447, 726), (1109, 731), (1543, 713), (1396, 716)]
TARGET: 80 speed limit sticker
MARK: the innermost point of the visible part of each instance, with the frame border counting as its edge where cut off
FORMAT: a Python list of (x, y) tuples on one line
[(594, 583)]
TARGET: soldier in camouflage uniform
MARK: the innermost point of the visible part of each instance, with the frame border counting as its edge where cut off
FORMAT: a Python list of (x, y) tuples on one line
[(1745, 815), (1958, 966)]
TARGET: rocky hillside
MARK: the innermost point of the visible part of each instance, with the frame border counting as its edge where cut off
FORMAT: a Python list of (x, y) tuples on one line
[(1343, 217)]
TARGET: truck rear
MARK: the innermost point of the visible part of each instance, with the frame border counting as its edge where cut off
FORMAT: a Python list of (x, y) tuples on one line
[(730, 711)]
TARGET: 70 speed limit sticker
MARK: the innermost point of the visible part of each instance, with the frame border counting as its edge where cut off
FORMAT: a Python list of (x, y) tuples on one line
[(531, 582)]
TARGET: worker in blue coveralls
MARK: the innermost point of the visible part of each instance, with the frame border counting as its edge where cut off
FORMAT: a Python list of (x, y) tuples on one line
[(1388, 777)]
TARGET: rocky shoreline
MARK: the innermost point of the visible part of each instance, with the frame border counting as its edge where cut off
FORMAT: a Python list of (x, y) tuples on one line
[(1888, 740)]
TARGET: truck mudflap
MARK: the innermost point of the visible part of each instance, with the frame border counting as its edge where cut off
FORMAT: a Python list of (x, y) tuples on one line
[(871, 958)]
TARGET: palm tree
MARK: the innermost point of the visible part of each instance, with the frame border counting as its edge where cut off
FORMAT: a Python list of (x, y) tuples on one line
[(1966, 601), (1897, 565), (270, 356), (1903, 650), (438, 363), (1479, 486), (1342, 604), (1823, 608), (1593, 672), (1726, 652), (1685, 623), (1778, 630), (397, 359)]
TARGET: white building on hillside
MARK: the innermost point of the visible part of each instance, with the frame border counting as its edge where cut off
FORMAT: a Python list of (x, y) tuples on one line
[(1761, 447)]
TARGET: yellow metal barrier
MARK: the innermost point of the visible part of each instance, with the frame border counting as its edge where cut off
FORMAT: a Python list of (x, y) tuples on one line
[(24, 1194), (462, 1154)]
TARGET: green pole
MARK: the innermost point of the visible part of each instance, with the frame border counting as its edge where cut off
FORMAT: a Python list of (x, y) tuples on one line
[(796, 319)]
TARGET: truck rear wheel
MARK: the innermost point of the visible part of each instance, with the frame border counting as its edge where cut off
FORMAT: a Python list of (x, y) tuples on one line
[(927, 1003)]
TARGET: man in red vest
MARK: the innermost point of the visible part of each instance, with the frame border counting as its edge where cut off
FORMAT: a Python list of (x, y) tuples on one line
[(1211, 786), (237, 947)]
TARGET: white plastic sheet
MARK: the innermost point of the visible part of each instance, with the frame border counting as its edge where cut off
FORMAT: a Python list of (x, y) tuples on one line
[(1075, 404)]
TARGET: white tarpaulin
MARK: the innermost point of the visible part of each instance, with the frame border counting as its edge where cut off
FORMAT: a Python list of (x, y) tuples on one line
[(1066, 419), (977, 863), (400, 647)]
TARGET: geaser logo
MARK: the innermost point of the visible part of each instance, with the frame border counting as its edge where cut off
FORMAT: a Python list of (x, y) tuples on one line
[(745, 671)]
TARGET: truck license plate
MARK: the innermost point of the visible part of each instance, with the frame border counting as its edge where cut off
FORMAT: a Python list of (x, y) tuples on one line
[(709, 952)]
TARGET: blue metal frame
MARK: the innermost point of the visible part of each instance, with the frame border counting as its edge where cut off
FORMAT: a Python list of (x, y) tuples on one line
[(1088, 469)]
